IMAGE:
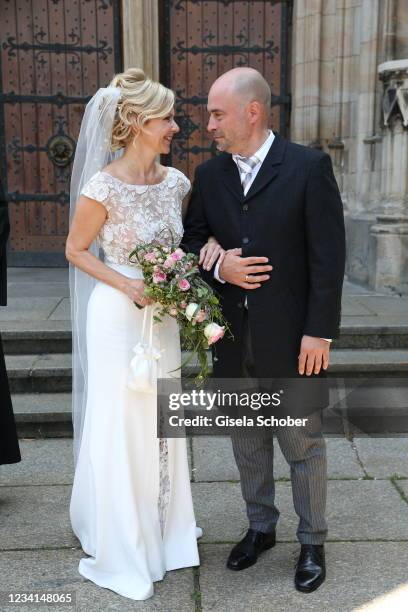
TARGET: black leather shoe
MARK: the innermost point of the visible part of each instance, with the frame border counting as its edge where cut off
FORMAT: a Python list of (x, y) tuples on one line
[(246, 552), (310, 568)]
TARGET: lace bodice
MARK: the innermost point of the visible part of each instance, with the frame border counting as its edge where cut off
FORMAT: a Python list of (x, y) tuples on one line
[(137, 214)]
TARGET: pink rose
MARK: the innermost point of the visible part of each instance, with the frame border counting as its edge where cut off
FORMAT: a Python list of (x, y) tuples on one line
[(150, 257), (159, 277), (183, 284), (177, 255), (169, 263), (201, 316), (213, 332)]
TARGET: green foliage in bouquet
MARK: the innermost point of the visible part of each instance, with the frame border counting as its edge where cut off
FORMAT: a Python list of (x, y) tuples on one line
[(173, 281)]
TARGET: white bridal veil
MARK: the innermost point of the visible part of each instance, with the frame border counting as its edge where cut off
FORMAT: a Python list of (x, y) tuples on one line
[(92, 154)]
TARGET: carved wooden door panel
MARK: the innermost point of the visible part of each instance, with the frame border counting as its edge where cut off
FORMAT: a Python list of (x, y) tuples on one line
[(200, 40), (54, 55)]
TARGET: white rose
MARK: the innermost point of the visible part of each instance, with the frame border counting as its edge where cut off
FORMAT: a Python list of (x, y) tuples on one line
[(191, 310)]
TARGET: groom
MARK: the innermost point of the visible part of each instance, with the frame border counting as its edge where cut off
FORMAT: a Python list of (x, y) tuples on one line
[(275, 207)]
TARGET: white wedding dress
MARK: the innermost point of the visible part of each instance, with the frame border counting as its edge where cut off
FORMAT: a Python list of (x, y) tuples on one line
[(131, 505)]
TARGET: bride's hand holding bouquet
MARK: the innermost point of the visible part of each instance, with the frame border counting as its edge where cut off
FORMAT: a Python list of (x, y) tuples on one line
[(135, 290), (172, 279)]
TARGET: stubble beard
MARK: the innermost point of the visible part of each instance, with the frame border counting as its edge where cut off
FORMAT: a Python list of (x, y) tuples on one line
[(223, 146)]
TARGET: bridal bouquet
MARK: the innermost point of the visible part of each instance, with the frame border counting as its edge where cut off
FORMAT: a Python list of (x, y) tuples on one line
[(173, 281)]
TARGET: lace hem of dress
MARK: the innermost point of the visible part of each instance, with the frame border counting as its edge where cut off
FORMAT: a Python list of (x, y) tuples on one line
[(164, 483)]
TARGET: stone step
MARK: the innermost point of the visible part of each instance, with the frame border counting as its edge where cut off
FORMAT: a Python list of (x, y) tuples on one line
[(42, 337), (377, 334), (43, 415), (377, 363), (51, 373), (36, 337)]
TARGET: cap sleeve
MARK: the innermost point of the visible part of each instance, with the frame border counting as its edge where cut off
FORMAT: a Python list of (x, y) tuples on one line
[(186, 186), (97, 189), (183, 183)]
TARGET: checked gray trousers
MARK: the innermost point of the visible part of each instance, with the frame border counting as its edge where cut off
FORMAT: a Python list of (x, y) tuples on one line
[(304, 449)]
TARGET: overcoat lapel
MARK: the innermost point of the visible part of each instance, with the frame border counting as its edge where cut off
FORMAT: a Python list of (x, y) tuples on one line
[(270, 167), (232, 179)]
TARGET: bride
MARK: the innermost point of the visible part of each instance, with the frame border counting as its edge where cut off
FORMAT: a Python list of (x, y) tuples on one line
[(131, 505)]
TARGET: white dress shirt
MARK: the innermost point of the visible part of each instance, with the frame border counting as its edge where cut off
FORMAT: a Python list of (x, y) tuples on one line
[(261, 153)]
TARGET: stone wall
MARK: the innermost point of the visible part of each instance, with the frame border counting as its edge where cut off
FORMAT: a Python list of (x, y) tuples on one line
[(338, 46)]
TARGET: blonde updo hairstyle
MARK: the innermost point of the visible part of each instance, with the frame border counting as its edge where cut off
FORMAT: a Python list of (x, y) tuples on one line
[(141, 99)]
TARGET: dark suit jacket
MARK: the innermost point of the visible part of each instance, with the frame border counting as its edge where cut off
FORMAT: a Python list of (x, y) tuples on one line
[(293, 215)]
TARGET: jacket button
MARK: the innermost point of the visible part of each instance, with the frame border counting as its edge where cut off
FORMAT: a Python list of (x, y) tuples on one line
[(245, 240), (245, 207)]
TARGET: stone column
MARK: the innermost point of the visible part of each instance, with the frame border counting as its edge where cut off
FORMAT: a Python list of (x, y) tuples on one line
[(140, 33), (388, 254), (306, 72)]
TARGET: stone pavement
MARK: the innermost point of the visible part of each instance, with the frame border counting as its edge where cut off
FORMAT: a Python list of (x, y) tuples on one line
[(367, 548)]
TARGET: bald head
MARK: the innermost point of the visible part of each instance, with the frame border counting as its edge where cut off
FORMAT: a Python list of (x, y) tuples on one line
[(247, 84), (239, 104)]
